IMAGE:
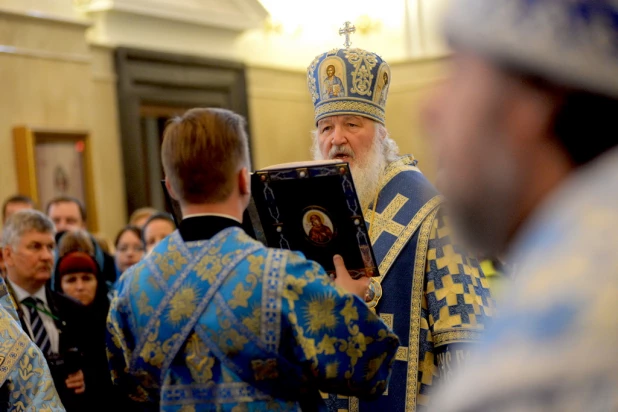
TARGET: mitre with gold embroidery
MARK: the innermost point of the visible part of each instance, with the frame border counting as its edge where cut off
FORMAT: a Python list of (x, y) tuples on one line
[(349, 81)]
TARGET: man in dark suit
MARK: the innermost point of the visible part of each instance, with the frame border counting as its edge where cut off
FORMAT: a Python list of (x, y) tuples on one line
[(53, 321)]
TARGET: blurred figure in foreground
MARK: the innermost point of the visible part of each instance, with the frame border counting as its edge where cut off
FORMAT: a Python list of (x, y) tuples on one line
[(524, 131), (25, 379)]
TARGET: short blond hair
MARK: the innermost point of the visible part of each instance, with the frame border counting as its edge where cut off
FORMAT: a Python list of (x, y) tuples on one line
[(201, 152), (141, 213)]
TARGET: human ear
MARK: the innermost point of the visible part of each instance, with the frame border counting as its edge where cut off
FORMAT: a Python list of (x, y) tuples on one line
[(168, 186), (244, 182)]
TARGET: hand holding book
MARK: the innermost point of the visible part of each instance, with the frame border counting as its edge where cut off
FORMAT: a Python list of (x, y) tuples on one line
[(342, 278)]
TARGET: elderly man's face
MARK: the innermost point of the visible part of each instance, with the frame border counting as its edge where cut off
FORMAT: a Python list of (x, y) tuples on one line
[(471, 136), (347, 138), (30, 262)]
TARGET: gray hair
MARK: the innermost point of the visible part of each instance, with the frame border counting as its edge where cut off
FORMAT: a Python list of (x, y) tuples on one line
[(25, 221), (389, 146)]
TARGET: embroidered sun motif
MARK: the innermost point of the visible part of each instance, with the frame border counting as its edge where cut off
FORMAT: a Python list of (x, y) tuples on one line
[(320, 314), (182, 304)]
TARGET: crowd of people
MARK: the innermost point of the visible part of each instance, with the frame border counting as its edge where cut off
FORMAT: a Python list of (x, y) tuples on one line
[(71, 274), (207, 318)]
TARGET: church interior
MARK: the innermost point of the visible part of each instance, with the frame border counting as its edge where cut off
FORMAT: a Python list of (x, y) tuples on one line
[(94, 81)]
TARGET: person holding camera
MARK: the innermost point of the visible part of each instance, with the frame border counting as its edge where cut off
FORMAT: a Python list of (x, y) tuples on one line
[(51, 319)]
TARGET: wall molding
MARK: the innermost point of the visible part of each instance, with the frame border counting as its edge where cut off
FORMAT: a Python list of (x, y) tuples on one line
[(45, 17), (45, 55), (236, 15)]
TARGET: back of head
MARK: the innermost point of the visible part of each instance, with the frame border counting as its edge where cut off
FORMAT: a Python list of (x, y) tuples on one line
[(565, 49), (201, 153), (25, 221), (75, 241)]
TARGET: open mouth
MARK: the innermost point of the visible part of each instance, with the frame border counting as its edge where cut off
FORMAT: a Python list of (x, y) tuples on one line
[(341, 156)]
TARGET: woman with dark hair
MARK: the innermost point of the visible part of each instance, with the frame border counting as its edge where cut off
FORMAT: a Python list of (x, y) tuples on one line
[(129, 248), (157, 228), (79, 277)]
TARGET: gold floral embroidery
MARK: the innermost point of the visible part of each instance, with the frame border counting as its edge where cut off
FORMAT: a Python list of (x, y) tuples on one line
[(374, 365), (152, 352), (209, 266), (231, 341), (143, 304), (170, 262), (356, 347), (199, 359), (240, 297), (182, 305), (256, 264), (349, 312), (327, 345), (252, 322), (293, 288), (311, 82), (332, 370), (26, 371), (242, 407), (349, 106), (363, 63)]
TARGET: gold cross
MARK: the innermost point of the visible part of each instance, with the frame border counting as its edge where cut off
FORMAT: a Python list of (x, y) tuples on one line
[(347, 29), (384, 222)]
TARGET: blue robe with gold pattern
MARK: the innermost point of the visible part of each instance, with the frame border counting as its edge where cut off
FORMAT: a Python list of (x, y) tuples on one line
[(228, 324), (433, 295), (24, 374)]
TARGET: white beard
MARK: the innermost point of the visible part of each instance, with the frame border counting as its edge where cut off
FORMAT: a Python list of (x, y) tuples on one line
[(366, 172)]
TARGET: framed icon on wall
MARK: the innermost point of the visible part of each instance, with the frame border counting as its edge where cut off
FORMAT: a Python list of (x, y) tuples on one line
[(55, 162)]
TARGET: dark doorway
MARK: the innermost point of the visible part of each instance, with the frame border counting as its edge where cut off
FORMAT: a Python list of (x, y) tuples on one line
[(153, 87)]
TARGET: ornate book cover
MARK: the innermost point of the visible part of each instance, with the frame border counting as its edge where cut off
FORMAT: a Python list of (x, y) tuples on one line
[(312, 207)]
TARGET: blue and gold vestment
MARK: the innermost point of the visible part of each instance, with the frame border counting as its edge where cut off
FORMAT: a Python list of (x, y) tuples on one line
[(433, 296), (227, 324), (24, 373)]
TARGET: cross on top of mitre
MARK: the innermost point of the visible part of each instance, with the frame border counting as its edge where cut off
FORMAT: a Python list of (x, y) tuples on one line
[(346, 30)]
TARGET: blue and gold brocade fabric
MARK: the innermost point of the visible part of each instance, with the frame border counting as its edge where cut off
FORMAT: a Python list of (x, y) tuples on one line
[(227, 324), (433, 294), (23, 368)]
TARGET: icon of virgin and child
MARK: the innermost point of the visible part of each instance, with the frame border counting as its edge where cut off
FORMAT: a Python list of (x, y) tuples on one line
[(320, 232)]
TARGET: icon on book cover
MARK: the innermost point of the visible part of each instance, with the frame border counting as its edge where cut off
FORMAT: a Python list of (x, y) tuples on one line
[(318, 226)]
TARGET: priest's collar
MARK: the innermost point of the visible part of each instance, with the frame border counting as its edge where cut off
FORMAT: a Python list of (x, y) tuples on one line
[(205, 226)]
